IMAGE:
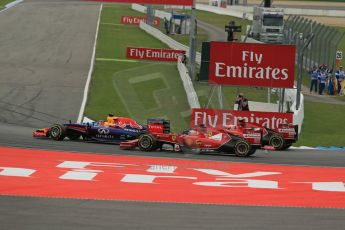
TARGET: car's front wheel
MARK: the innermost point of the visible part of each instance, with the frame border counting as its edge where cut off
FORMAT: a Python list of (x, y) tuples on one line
[(57, 132), (147, 142), (242, 148)]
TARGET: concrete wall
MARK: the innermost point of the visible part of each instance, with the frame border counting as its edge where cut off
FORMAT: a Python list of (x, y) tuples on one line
[(247, 11), (187, 83)]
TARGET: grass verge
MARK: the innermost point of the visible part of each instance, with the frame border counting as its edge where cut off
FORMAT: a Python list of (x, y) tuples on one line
[(3, 3), (323, 125), (136, 89)]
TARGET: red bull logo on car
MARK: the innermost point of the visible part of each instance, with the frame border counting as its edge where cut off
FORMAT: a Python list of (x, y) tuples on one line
[(124, 122)]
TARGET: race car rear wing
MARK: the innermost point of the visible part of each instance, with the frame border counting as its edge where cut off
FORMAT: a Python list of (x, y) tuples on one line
[(158, 125)]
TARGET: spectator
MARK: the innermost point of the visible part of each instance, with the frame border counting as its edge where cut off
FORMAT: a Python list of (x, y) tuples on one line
[(332, 85), (166, 25), (242, 103), (340, 75), (313, 75), (171, 26), (184, 59), (322, 77)]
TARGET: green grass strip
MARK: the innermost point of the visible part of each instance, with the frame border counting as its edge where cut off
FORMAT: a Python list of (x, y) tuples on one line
[(137, 89), (323, 125), (3, 3)]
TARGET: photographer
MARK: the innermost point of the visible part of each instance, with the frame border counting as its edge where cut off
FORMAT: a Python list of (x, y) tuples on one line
[(242, 103)]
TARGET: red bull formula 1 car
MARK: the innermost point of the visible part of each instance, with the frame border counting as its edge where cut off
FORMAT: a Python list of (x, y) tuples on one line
[(113, 130)]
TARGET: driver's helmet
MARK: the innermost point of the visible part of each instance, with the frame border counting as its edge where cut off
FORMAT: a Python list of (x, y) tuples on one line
[(192, 132), (111, 119)]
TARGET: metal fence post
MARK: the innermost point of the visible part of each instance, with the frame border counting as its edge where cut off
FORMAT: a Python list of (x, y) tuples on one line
[(150, 15), (304, 45), (318, 44), (325, 46), (304, 28), (336, 43), (323, 37), (328, 49), (315, 28), (192, 43)]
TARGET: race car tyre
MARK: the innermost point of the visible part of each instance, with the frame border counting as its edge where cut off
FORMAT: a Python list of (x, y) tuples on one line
[(57, 132), (286, 146), (72, 135), (147, 142), (277, 141), (242, 148), (252, 151)]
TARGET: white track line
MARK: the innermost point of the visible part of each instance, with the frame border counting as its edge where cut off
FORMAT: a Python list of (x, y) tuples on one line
[(118, 60), (87, 85), (10, 5), (112, 24)]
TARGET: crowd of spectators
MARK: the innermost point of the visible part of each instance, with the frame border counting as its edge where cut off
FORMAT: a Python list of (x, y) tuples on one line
[(322, 79)]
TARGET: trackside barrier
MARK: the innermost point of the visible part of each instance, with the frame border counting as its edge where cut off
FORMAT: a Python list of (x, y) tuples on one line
[(187, 83), (192, 97), (290, 103), (294, 11), (246, 12), (158, 13), (225, 11), (167, 40)]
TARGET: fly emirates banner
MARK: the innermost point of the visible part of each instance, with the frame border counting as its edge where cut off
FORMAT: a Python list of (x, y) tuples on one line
[(217, 118), (249, 64)]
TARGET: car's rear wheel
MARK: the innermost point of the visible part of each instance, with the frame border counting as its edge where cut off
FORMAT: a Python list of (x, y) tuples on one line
[(277, 141), (147, 142), (242, 148), (57, 132), (252, 151), (286, 146)]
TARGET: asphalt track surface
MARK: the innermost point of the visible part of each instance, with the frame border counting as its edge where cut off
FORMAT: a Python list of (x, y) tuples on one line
[(21, 137), (45, 213), (45, 54)]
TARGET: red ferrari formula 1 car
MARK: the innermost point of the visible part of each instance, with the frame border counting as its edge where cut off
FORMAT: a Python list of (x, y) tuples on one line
[(280, 138), (202, 139)]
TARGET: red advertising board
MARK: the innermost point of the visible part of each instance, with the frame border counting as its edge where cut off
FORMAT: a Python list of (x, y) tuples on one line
[(131, 20), (153, 54), (268, 65), (224, 118), (156, 2)]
